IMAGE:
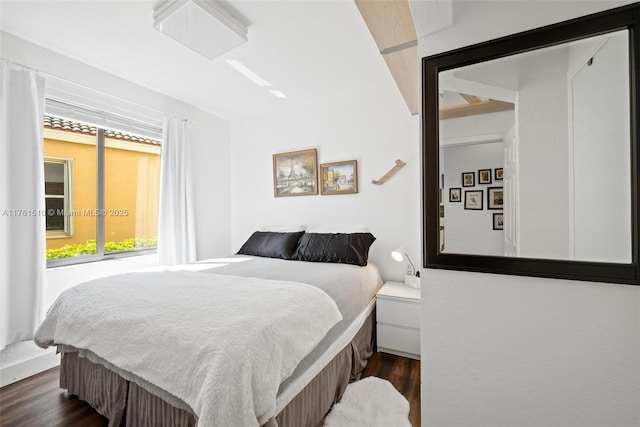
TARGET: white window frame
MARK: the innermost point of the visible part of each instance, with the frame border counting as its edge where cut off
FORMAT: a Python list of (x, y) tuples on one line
[(67, 196), (101, 120)]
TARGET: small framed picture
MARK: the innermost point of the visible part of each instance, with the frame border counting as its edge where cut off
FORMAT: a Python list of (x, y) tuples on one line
[(495, 198), (497, 174), (484, 176), (455, 195), (473, 200), (498, 221), (468, 179), (339, 177)]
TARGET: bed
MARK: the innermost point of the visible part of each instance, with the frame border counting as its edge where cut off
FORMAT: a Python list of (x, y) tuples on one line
[(141, 373)]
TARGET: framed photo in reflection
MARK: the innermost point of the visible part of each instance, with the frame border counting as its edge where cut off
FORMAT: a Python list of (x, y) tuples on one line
[(473, 200), (468, 179), (484, 176)]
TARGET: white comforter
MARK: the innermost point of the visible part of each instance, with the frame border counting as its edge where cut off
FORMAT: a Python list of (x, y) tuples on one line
[(222, 344)]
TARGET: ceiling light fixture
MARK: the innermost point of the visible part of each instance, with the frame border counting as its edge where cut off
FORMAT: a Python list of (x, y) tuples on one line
[(242, 69), (205, 26)]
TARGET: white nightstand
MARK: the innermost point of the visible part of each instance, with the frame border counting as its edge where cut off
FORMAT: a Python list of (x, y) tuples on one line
[(398, 320)]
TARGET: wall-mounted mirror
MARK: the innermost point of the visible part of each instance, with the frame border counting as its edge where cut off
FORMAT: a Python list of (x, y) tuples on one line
[(530, 152)]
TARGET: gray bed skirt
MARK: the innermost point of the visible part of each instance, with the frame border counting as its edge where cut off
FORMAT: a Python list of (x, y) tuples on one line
[(125, 403)]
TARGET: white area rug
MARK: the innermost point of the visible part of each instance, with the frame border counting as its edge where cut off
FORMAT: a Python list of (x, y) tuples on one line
[(370, 402)]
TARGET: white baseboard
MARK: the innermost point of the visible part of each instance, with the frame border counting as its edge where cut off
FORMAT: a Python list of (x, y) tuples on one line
[(399, 353), (26, 368)]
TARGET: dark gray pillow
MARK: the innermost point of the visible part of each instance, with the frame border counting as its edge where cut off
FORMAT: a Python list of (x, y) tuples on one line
[(271, 244), (345, 248)]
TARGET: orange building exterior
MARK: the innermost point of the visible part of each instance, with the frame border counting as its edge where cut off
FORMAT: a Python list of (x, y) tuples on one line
[(132, 187)]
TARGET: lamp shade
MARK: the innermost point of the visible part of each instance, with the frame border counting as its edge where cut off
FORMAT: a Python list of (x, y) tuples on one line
[(398, 254)]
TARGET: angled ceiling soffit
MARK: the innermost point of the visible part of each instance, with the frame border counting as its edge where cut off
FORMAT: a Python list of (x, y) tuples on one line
[(391, 25)]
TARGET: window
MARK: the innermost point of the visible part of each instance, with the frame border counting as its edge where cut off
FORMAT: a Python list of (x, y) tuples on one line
[(57, 198), (101, 191)]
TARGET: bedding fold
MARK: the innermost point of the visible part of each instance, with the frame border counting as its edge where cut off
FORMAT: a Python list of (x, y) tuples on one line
[(223, 344)]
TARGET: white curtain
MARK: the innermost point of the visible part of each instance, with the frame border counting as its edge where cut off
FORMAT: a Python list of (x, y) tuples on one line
[(22, 207), (176, 229)]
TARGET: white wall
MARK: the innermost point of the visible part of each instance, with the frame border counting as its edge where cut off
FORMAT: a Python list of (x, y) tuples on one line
[(375, 128), (503, 350), (601, 137), (210, 165), (471, 231), (476, 125), (542, 110)]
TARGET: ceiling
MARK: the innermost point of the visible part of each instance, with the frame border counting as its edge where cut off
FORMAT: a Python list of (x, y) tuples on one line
[(307, 49)]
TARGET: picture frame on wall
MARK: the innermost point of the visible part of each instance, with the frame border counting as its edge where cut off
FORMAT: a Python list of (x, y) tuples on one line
[(468, 179), (497, 174), (295, 173), (495, 198), (455, 195), (473, 200), (339, 178), (498, 221), (484, 176)]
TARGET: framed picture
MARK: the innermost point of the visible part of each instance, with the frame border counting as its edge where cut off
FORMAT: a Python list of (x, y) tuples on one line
[(495, 198), (498, 221), (468, 179), (339, 177), (497, 174), (295, 173), (484, 176), (473, 200), (455, 195)]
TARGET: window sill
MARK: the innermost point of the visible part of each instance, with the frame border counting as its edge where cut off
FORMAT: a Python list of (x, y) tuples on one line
[(138, 256), (58, 235)]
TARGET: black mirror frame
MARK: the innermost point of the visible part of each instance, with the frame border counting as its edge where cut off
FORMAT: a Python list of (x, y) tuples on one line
[(626, 17)]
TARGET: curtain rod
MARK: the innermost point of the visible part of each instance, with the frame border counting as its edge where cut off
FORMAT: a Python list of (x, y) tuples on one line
[(70, 110), (49, 75), (15, 64)]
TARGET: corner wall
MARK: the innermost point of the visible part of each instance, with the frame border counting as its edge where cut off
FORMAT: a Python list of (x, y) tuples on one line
[(502, 350)]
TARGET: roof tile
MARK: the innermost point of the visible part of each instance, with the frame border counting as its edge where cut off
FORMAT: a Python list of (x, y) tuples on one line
[(53, 122)]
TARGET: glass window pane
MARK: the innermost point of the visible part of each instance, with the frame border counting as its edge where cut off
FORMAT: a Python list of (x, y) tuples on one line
[(132, 187), (55, 214), (54, 179), (77, 150)]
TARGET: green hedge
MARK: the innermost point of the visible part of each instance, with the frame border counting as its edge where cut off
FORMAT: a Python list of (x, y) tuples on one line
[(89, 247)]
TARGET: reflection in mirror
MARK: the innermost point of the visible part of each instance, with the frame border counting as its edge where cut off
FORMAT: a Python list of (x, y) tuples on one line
[(535, 155)]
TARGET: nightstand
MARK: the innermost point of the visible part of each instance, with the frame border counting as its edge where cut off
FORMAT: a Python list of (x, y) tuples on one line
[(398, 320)]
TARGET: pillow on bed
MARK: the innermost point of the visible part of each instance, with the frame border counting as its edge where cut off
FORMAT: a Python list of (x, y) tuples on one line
[(345, 248), (284, 228), (271, 244)]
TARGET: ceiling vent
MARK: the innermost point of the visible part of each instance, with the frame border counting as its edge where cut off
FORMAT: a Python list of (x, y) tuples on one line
[(207, 27)]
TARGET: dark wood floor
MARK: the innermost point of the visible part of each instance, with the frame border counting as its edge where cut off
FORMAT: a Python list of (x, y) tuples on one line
[(38, 401), (404, 374)]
